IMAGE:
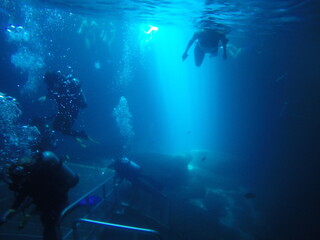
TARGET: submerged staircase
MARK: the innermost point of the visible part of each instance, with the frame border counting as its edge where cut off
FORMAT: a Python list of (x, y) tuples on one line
[(152, 205)]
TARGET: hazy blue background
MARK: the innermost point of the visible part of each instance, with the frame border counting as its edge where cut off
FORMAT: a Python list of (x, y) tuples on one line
[(261, 108)]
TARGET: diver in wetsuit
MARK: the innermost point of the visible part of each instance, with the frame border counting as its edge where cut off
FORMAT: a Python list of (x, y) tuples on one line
[(125, 169), (42, 180), (208, 42), (130, 170), (68, 95)]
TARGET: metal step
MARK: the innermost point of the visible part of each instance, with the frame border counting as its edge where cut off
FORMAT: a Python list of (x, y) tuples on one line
[(149, 203)]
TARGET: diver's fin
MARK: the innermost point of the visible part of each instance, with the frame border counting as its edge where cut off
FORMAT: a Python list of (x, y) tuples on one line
[(81, 143), (93, 140), (79, 140)]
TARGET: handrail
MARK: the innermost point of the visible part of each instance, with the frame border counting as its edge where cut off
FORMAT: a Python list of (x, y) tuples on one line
[(24, 236), (75, 203), (112, 225)]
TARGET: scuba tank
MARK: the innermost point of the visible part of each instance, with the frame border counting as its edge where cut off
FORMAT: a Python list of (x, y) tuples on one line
[(63, 172), (134, 167), (126, 168)]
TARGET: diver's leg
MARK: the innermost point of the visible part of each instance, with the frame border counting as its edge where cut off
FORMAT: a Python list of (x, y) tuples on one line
[(50, 216), (60, 123), (78, 134), (63, 123), (50, 223), (198, 56)]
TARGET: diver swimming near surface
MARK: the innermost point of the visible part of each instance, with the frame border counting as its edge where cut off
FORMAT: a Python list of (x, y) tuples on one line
[(208, 42)]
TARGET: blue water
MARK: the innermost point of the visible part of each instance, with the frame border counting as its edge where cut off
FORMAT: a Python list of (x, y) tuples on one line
[(248, 124)]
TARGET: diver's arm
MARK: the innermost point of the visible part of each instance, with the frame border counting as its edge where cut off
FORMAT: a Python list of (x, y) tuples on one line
[(185, 54), (18, 201), (14, 207), (84, 23), (48, 96), (8, 214), (42, 99), (52, 93), (79, 97), (80, 100)]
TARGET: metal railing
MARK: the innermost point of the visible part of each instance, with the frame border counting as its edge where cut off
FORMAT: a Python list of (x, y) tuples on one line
[(85, 197), (112, 225), (19, 235), (72, 206)]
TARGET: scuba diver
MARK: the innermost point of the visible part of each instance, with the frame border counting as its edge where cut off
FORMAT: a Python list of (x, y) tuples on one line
[(125, 169), (131, 171), (44, 181), (128, 169), (208, 42), (68, 95)]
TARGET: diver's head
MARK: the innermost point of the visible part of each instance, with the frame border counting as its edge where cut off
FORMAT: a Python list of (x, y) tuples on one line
[(205, 24), (26, 161), (51, 78)]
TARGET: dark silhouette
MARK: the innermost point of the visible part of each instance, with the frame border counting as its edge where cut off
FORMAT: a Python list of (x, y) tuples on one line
[(42, 180), (128, 169), (208, 42), (68, 95), (131, 171)]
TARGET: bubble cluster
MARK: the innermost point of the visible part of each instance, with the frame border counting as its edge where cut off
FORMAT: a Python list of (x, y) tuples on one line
[(34, 37), (125, 74), (17, 34), (27, 60), (16, 139), (123, 117), (9, 111)]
